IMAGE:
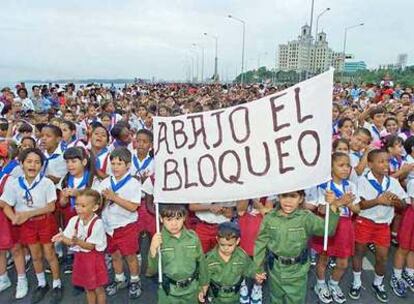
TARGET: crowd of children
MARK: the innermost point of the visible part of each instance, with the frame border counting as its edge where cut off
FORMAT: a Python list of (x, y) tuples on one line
[(76, 186)]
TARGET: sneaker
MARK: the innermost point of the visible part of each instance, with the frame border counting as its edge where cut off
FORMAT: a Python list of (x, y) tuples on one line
[(4, 284), (134, 290), (322, 291), (68, 264), (108, 262), (244, 294), (355, 292), (337, 294), (56, 296), (409, 280), (331, 263), (256, 295), (39, 293), (113, 288), (371, 247), (312, 259), (380, 293), (22, 289), (398, 286), (10, 262), (28, 265)]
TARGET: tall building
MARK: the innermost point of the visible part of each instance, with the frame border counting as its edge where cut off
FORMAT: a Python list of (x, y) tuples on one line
[(352, 67), (402, 61), (294, 54)]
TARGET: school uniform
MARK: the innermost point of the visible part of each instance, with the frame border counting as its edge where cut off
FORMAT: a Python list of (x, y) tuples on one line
[(69, 211), (13, 168), (355, 157), (102, 162), (89, 268), (375, 132), (406, 230), (120, 224), (342, 243), (395, 164), (207, 226), (24, 197), (141, 169), (372, 225), (9, 235), (76, 143), (55, 164), (147, 220)]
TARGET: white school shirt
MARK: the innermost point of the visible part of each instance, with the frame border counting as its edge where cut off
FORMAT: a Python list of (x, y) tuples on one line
[(102, 158), (77, 181), (148, 187), (77, 143), (42, 194), (372, 129), (97, 236), (148, 170), (114, 216), (410, 190), (343, 211), (355, 158), (380, 214), (211, 218), (56, 166), (409, 160)]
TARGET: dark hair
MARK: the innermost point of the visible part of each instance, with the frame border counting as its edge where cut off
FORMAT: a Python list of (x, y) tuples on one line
[(390, 141), (337, 155), (300, 192), (173, 210), (342, 121), (405, 93), (25, 153), (389, 119), (117, 129), (409, 144), (55, 130), (228, 231), (122, 153), (105, 114), (338, 141), (377, 110), (147, 133), (97, 125), (79, 153), (373, 154), (40, 126), (4, 125), (363, 131), (91, 193), (25, 128), (70, 124), (28, 138)]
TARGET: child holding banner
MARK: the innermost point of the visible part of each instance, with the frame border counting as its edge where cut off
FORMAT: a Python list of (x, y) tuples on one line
[(380, 194), (341, 244), (284, 236), (184, 271)]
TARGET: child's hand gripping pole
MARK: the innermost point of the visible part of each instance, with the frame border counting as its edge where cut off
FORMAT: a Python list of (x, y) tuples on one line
[(329, 198), (157, 222)]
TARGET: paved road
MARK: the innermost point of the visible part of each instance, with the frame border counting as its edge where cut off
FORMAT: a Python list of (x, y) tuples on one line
[(150, 287)]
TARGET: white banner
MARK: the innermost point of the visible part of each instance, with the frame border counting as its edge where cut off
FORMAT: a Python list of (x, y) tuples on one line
[(276, 144)]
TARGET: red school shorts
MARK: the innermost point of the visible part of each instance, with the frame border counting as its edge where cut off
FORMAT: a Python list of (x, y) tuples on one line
[(406, 229), (249, 229), (207, 234), (341, 244), (124, 239), (367, 231), (9, 234), (39, 229)]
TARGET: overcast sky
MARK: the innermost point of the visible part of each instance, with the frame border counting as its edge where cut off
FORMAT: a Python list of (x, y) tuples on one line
[(145, 38)]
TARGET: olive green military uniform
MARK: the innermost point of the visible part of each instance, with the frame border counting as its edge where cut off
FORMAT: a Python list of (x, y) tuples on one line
[(287, 237), (228, 274), (180, 259)]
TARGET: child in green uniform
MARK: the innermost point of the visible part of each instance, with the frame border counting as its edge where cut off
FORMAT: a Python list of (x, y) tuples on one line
[(228, 265), (183, 264), (283, 240)]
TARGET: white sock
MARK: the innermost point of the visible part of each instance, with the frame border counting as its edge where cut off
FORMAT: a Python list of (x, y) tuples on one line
[(41, 279), (378, 280), (410, 271), (397, 273), (119, 277), (21, 277), (134, 278), (357, 279), (27, 258), (321, 282), (257, 286), (333, 283), (3, 277), (57, 283)]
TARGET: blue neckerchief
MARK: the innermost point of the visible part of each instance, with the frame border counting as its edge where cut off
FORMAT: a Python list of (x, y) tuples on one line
[(335, 127), (97, 161), (71, 184), (144, 166), (142, 123), (339, 193), (116, 186), (7, 169), (53, 156), (27, 195), (395, 163), (376, 131), (63, 146), (374, 183), (357, 154)]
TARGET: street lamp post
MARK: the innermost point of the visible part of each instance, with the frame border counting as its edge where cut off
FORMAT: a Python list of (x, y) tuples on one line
[(310, 41), (215, 56), (202, 60), (344, 49), (244, 35), (317, 19)]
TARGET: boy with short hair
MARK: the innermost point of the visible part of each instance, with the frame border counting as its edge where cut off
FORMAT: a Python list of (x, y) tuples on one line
[(183, 262), (380, 194), (228, 265)]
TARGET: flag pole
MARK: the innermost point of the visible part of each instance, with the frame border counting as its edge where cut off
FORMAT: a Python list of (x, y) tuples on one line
[(157, 221)]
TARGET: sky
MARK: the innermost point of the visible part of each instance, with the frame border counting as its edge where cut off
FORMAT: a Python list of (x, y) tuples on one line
[(49, 39)]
